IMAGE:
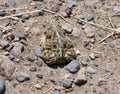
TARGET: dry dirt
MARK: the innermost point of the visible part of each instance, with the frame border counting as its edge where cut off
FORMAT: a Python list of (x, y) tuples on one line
[(108, 58)]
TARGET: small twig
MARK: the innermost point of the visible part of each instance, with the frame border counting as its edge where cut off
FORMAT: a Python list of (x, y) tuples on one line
[(113, 26), (106, 37), (48, 89)]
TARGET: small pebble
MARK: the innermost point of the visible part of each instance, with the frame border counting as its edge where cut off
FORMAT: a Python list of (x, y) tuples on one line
[(68, 11), (22, 36), (4, 44), (67, 28), (81, 80), (86, 43), (90, 70), (57, 92), (92, 56), (116, 8), (11, 57), (2, 13), (95, 64), (31, 57), (111, 44), (41, 12), (71, 3), (16, 39), (39, 75), (80, 22), (27, 63), (25, 16), (33, 69), (73, 66), (22, 76), (67, 83), (2, 85), (37, 52), (90, 18), (55, 8), (6, 22), (89, 32), (37, 86)]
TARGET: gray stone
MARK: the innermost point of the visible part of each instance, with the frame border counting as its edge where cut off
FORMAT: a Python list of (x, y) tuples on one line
[(111, 44), (67, 83), (33, 69), (37, 52), (81, 80), (57, 92), (68, 28), (22, 76), (2, 85), (92, 56), (73, 66), (4, 43), (116, 8), (90, 70), (55, 8), (6, 22), (95, 64), (71, 3), (31, 57), (84, 61), (39, 75)]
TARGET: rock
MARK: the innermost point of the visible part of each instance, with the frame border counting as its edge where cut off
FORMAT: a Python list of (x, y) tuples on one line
[(116, 9), (84, 61), (38, 52), (25, 16), (81, 80), (4, 44), (11, 57), (86, 43), (2, 13), (22, 36), (12, 3), (27, 63), (68, 28), (102, 82), (77, 52), (17, 49), (67, 83), (92, 56), (6, 22), (41, 12), (80, 22), (90, 18), (68, 11), (2, 85), (39, 75), (55, 8), (76, 32), (16, 39), (7, 67), (89, 32), (73, 66), (37, 86), (33, 69), (111, 44), (95, 64), (90, 70), (22, 76), (101, 92), (57, 92), (31, 57), (71, 3)]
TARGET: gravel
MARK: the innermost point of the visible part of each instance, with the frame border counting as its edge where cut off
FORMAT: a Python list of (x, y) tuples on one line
[(39, 75), (37, 52), (73, 66), (55, 8), (57, 92), (67, 28), (67, 83), (68, 11), (92, 56), (22, 76), (4, 43), (31, 57), (90, 70), (33, 69), (111, 44), (2, 85)]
